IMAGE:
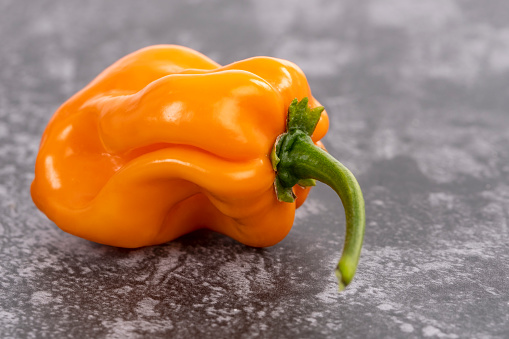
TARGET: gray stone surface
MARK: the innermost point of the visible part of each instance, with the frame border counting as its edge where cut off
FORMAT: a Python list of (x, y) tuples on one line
[(417, 92)]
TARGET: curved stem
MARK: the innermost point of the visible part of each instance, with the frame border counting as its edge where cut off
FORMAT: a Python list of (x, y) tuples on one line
[(305, 160), (296, 159)]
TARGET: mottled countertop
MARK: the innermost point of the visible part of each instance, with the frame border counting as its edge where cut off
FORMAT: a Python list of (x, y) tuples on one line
[(417, 93)]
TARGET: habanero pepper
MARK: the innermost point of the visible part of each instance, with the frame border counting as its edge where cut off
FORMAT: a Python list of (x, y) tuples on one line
[(165, 141)]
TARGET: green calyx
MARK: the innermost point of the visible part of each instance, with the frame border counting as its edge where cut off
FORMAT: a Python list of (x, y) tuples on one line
[(301, 120), (297, 160), (302, 117)]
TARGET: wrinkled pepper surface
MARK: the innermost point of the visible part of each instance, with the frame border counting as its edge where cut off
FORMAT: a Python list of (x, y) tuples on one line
[(166, 141)]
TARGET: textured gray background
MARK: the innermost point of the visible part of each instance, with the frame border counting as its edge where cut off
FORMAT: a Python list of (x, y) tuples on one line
[(417, 92)]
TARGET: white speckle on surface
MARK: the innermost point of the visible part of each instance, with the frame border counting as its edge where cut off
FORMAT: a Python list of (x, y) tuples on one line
[(43, 298), (167, 264), (330, 294), (431, 331), (132, 259), (121, 329), (223, 318), (146, 307), (335, 327), (385, 307), (277, 312), (237, 274), (312, 321), (317, 314), (309, 208), (123, 290), (441, 199), (434, 266), (85, 270), (407, 328), (8, 318)]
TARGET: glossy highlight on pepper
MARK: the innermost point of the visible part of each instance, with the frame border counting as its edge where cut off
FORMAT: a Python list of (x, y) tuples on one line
[(166, 141)]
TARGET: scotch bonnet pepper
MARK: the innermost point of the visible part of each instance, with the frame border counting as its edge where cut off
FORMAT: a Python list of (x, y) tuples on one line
[(166, 141)]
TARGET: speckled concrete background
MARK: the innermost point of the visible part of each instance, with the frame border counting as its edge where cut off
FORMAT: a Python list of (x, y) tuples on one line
[(418, 97)]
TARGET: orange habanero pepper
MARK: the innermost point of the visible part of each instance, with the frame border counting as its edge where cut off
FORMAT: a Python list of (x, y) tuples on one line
[(165, 141)]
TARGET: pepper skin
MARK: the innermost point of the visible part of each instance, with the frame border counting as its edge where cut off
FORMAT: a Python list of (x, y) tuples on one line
[(165, 141)]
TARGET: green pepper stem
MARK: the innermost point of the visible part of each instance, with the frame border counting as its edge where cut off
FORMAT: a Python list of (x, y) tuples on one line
[(297, 160), (313, 162)]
